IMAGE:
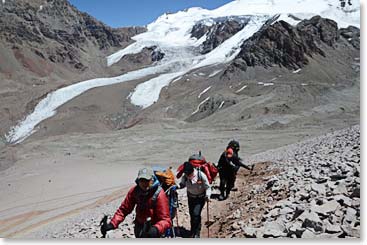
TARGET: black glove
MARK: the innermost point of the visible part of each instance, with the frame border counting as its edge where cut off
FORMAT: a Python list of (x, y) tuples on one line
[(152, 232), (251, 167), (106, 227)]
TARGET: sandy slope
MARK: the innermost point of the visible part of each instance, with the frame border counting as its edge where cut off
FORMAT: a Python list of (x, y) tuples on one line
[(259, 207), (63, 175)]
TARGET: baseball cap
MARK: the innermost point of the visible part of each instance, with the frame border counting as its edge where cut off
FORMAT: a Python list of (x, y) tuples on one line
[(145, 173)]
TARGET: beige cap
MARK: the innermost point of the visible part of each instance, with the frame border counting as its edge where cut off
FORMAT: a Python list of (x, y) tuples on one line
[(145, 173)]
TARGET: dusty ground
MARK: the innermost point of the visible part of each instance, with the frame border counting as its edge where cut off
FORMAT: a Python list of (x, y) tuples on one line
[(60, 176), (220, 215), (256, 203), (220, 212)]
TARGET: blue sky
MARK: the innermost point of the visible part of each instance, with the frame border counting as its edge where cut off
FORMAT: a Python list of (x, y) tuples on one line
[(119, 13)]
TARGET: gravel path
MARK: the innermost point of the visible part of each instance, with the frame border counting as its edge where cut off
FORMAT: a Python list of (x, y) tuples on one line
[(314, 194)]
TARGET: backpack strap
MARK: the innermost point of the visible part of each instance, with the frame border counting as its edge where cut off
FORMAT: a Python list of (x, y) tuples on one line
[(199, 175), (155, 195)]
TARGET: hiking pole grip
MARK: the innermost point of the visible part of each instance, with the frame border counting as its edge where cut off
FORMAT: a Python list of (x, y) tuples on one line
[(146, 227), (103, 222)]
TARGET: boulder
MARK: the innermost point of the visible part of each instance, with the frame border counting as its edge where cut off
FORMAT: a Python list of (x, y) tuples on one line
[(308, 234), (319, 188), (310, 219), (274, 229), (341, 188), (343, 200), (326, 208), (350, 215), (351, 231), (272, 213), (249, 232), (356, 192), (296, 229), (286, 210), (330, 228)]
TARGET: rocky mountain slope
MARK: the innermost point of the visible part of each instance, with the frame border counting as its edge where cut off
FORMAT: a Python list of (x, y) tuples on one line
[(57, 32), (45, 45), (316, 193), (310, 189)]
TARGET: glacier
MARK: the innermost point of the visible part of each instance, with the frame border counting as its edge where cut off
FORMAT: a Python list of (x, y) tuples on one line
[(171, 33)]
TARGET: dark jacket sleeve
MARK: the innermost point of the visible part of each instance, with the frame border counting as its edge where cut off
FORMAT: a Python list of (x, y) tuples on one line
[(238, 161), (126, 207), (162, 213)]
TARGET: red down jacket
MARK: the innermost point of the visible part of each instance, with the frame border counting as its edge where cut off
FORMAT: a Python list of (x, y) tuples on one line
[(144, 209)]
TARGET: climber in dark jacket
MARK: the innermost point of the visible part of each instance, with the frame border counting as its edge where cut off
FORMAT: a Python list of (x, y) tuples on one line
[(228, 166)]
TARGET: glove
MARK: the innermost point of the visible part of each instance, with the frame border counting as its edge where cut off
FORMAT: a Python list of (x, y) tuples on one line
[(252, 167), (152, 232), (106, 227)]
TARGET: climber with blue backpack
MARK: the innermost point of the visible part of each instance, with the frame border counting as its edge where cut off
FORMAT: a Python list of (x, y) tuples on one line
[(167, 180), (151, 206)]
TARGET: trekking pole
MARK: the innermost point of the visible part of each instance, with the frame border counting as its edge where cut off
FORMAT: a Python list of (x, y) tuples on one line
[(207, 216), (178, 228), (177, 219), (172, 199)]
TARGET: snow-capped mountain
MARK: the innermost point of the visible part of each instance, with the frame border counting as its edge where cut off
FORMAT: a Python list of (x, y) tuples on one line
[(173, 30), (211, 46)]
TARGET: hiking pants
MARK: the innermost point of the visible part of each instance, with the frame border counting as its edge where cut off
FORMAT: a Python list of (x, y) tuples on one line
[(196, 205), (227, 180)]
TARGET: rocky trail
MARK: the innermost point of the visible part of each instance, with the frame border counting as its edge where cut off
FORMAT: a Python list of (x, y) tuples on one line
[(310, 189)]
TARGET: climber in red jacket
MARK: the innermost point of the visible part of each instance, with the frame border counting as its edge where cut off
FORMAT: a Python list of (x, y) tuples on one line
[(152, 210)]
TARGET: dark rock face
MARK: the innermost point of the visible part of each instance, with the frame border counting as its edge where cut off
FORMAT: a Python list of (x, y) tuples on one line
[(199, 30), (318, 30), (352, 34), (71, 32), (143, 58), (284, 45), (157, 55), (217, 33)]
